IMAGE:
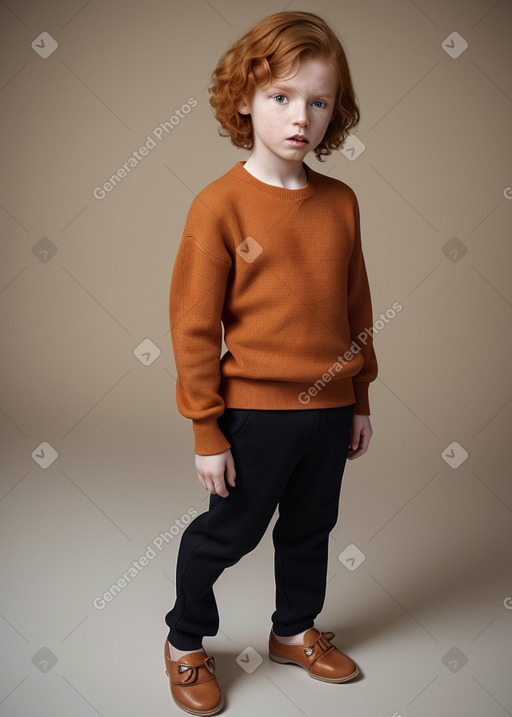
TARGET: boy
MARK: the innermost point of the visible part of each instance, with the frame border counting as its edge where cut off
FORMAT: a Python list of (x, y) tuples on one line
[(272, 250)]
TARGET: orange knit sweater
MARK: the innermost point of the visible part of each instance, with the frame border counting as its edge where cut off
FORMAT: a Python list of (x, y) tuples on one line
[(282, 271)]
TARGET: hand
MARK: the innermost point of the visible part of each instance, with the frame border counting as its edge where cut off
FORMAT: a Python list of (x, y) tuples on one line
[(360, 438), (215, 470)]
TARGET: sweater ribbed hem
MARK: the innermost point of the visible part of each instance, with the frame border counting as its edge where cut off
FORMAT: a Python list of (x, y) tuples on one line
[(361, 389), (283, 395), (209, 439)]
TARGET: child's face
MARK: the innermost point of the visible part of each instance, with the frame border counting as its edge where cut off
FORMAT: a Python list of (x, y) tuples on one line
[(302, 105)]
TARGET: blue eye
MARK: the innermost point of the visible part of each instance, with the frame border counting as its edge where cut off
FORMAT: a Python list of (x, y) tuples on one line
[(321, 102), (279, 98)]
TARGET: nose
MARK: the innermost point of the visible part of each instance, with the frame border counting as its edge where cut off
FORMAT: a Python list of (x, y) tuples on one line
[(300, 113)]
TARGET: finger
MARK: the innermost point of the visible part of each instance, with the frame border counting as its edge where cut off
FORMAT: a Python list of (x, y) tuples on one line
[(360, 449), (215, 484), (365, 440), (220, 488), (230, 471), (355, 454), (207, 484), (355, 439)]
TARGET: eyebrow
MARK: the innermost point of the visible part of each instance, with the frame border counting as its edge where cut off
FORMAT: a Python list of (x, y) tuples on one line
[(288, 88)]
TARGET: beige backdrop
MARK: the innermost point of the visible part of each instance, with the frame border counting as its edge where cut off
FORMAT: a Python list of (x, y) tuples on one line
[(98, 477)]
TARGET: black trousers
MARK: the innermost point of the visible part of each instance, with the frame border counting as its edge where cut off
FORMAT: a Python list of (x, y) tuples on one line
[(291, 459)]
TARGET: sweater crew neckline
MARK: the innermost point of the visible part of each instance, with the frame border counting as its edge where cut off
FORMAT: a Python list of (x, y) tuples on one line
[(277, 192)]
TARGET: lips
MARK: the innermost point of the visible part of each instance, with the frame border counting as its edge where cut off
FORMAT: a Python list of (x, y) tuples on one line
[(299, 138)]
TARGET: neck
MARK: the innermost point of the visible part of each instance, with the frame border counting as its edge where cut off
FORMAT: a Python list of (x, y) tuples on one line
[(285, 173)]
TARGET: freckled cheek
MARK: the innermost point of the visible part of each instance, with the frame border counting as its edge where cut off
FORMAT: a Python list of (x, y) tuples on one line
[(270, 126)]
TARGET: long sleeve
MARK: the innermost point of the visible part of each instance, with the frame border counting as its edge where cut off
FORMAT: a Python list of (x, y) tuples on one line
[(196, 300), (361, 320)]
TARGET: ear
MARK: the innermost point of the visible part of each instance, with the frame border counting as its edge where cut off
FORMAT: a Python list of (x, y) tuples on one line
[(243, 107)]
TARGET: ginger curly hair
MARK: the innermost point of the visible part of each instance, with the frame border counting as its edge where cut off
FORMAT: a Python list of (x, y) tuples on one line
[(266, 53)]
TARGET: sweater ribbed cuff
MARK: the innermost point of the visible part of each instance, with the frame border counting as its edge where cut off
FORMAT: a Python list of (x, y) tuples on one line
[(209, 439), (362, 406)]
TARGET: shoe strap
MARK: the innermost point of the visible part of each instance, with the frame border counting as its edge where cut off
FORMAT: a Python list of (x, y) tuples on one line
[(193, 670), (323, 641)]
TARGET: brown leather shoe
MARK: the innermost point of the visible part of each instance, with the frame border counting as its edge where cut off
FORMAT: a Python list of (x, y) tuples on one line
[(322, 660), (194, 686)]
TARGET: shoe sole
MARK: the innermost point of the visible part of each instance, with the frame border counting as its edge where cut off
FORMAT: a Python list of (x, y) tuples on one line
[(286, 661), (201, 713)]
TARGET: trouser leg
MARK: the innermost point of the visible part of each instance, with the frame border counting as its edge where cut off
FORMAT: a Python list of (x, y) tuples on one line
[(266, 446), (308, 511)]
